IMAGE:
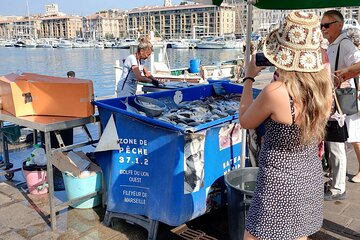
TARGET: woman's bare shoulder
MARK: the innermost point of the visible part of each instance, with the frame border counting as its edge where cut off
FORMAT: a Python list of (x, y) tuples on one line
[(275, 89)]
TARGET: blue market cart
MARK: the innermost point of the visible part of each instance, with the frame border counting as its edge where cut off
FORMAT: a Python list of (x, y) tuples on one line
[(153, 176)]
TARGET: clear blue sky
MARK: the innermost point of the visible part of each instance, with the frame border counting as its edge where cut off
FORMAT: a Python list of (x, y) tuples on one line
[(78, 7)]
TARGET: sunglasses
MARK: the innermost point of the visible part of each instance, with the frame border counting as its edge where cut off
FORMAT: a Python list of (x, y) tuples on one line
[(326, 25)]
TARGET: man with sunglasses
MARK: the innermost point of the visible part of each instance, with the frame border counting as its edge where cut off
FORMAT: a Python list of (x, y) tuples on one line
[(343, 53)]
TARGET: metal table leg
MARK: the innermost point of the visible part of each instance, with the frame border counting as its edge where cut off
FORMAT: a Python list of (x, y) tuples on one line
[(50, 179), (4, 146)]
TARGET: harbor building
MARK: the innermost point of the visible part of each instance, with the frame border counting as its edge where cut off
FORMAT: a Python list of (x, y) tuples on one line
[(167, 21), (52, 10), (182, 21), (23, 27), (107, 24), (68, 27)]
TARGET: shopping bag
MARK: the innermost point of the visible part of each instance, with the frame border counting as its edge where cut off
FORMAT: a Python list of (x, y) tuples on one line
[(348, 101)]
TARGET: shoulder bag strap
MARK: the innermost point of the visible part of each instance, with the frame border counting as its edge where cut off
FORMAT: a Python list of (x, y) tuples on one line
[(338, 53), (337, 57), (122, 87), (337, 104), (356, 81)]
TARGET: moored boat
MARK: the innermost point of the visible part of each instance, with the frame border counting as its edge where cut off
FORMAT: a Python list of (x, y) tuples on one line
[(211, 43), (65, 44), (181, 44), (20, 43)]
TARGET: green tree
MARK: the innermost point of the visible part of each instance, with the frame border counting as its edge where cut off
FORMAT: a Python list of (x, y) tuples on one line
[(183, 3)]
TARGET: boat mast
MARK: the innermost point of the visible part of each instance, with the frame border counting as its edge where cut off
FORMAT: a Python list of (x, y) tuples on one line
[(29, 22)]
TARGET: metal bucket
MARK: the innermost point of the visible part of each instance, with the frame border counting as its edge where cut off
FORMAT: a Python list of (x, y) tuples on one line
[(240, 184)]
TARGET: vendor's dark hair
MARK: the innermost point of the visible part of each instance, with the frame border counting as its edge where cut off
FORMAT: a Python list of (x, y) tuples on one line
[(144, 43), (70, 74)]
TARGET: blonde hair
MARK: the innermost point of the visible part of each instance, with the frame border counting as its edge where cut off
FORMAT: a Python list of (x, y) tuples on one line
[(312, 93), (144, 43)]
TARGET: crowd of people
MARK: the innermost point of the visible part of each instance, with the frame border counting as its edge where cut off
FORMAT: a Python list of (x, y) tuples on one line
[(312, 57)]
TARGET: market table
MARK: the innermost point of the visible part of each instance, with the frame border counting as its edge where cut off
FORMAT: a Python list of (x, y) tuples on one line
[(48, 124)]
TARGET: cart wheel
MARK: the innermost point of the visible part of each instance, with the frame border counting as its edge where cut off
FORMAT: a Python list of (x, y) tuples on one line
[(9, 176)]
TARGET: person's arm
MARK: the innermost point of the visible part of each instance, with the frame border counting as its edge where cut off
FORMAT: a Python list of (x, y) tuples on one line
[(138, 76), (249, 118), (134, 63), (349, 72), (351, 61), (148, 74), (155, 81)]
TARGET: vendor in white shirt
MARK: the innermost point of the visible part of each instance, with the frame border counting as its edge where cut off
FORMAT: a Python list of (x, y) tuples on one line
[(134, 70)]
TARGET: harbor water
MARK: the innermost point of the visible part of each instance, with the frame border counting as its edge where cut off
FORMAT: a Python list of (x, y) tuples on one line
[(96, 64)]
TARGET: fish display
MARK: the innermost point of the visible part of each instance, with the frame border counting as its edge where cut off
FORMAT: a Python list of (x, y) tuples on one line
[(194, 113)]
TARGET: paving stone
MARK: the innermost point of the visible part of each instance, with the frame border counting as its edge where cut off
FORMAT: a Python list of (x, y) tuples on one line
[(328, 235), (9, 190), (354, 229), (335, 222), (11, 236), (4, 199), (353, 187), (336, 207), (352, 196), (33, 230), (353, 210), (46, 235), (129, 230), (69, 234), (102, 232), (18, 215), (4, 230)]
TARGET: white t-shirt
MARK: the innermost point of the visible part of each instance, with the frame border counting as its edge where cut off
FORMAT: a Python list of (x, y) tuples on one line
[(128, 82), (129, 62), (348, 54)]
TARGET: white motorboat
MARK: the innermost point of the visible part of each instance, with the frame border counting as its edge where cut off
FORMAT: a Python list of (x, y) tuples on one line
[(181, 44), (109, 44), (125, 43), (44, 43), (233, 44), (351, 23), (30, 43), (65, 44), (20, 43), (211, 43), (9, 43), (99, 45)]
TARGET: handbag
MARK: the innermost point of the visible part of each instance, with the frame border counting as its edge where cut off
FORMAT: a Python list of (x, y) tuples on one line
[(347, 97), (335, 133)]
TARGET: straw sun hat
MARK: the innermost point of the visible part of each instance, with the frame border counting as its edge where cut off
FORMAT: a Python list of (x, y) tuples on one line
[(295, 46)]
